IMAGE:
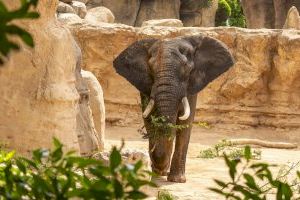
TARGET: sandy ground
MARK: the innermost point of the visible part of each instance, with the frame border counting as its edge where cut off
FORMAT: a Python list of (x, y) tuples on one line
[(201, 172)]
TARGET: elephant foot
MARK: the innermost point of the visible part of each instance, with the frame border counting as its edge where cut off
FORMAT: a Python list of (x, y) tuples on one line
[(176, 178)]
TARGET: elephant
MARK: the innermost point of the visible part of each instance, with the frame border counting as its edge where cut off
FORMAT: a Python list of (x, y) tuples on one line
[(170, 73)]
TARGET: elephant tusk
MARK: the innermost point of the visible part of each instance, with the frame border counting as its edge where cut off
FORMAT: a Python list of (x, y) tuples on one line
[(187, 110), (149, 108)]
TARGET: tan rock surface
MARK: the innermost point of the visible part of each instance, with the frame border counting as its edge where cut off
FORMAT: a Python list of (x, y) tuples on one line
[(260, 90), (38, 94), (79, 8), (69, 18), (163, 22), (40, 89), (64, 8), (99, 14), (96, 104)]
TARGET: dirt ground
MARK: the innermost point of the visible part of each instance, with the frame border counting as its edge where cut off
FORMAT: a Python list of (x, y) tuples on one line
[(201, 172)]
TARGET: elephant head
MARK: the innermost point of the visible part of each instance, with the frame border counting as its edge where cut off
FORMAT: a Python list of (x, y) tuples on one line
[(169, 70)]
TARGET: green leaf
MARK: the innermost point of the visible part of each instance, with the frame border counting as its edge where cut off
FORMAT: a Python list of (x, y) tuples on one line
[(115, 159), (118, 188), (220, 183), (21, 166), (247, 153), (218, 191), (136, 195), (232, 166), (250, 182)]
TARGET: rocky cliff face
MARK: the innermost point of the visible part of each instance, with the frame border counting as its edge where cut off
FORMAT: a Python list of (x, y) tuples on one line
[(262, 89), (135, 12), (267, 13), (39, 97)]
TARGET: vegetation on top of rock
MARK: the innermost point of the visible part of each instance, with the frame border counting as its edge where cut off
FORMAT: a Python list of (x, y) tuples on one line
[(58, 175), (230, 13), (8, 29), (255, 180)]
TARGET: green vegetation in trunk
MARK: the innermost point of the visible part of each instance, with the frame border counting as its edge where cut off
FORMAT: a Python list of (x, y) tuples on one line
[(59, 175), (231, 151), (8, 29), (255, 180), (158, 124)]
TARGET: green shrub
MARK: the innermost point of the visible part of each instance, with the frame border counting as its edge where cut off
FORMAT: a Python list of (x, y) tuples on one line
[(7, 28), (230, 13), (256, 181), (237, 17), (165, 195), (58, 175), (227, 147), (223, 13)]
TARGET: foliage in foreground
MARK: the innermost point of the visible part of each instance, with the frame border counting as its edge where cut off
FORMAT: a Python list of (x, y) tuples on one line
[(8, 29), (58, 175), (256, 181), (231, 151)]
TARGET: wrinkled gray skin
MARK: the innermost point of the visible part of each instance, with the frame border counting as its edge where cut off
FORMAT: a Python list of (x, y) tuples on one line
[(166, 71)]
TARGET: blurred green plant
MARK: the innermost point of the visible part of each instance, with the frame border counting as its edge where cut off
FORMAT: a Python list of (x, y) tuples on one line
[(225, 146), (58, 175), (7, 28), (255, 181)]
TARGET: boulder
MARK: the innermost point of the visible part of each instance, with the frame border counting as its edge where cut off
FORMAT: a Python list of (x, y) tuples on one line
[(83, 1), (125, 11), (79, 8), (163, 9), (69, 18), (98, 15), (163, 22), (292, 19), (64, 8), (96, 103), (258, 91)]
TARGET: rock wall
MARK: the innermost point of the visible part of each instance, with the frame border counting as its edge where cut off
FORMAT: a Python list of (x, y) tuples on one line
[(135, 12), (267, 13), (262, 89), (39, 97)]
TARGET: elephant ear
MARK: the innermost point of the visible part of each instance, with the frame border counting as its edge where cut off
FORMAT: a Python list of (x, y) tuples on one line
[(211, 59), (132, 64)]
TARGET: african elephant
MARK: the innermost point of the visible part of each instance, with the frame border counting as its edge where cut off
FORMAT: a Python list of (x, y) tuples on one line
[(170, 72)]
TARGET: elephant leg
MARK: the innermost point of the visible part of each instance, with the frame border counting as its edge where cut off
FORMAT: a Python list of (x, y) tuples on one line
[(177, 171)]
